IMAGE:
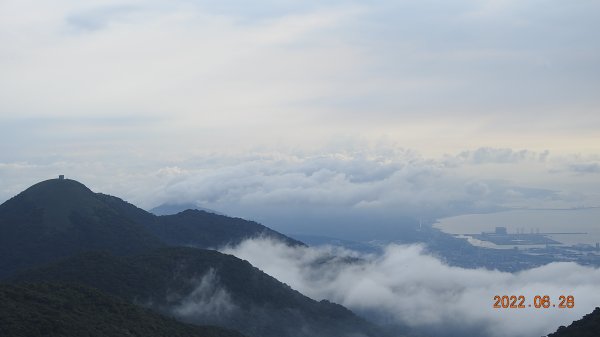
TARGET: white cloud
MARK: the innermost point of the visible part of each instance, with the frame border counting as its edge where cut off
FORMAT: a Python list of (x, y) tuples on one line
[(208, 301), (407, 287)]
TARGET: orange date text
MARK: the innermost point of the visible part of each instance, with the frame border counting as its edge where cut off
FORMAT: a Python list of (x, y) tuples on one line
[(538, 302)]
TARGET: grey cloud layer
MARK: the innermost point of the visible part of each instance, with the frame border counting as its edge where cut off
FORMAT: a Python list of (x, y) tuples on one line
[(406, 287), (488, 155), (398, 182)]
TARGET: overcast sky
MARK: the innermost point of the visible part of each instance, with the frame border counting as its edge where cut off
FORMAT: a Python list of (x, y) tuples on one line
[(235, 105)]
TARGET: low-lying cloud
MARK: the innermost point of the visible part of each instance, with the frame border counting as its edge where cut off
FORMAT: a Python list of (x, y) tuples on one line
[(405, 287), (207, 302)]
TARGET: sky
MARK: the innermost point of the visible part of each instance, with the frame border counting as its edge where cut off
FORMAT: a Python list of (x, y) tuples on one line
[(292, 111)]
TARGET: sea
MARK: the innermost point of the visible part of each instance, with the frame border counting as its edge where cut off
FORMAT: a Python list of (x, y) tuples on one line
[(529, 221)]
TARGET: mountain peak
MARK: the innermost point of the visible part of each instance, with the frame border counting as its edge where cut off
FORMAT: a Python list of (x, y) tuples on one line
[(60, 217), (57, 187), (57, 199)]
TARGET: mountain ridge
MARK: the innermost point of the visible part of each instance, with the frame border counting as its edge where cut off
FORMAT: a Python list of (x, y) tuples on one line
[(174, 208), (58, 218)]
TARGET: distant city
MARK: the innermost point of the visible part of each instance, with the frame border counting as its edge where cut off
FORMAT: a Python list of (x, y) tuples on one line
[(532, 248)]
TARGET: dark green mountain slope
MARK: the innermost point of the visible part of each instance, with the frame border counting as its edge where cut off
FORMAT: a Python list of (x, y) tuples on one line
[(59, 218), (207, 287), (57, 310), (588, 326)]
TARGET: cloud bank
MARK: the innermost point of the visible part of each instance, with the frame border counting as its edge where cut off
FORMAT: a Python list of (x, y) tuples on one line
[(354, 192), (405, 287)]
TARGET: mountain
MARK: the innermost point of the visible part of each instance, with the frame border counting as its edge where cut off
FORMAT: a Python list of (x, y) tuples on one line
[(59, 218), (31, 310), (170, 209), (588, 326), (209, 230), (60, 231), (62, 217), (196, 228), (207, 287)]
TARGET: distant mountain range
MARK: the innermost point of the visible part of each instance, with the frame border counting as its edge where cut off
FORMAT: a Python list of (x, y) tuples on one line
[(170, 209), (59, 231)]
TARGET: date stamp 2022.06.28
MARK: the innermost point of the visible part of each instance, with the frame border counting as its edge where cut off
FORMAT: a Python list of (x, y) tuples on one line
[(539, 302)]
